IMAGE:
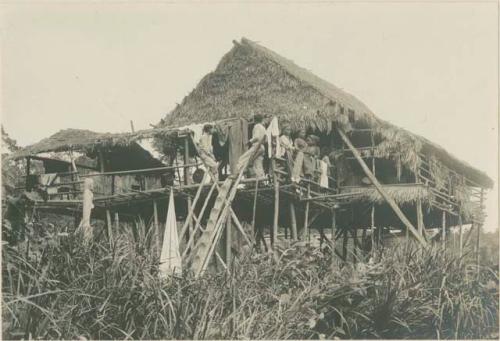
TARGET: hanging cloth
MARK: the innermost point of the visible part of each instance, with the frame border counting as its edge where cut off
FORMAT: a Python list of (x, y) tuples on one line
[(273, 131), (88, 205), (238, 136), (170, 258), (323, 177)]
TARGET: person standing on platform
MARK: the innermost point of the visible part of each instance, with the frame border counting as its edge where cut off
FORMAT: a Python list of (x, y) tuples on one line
[(300, 146), (258, 132), (286, 142), (311, 154)]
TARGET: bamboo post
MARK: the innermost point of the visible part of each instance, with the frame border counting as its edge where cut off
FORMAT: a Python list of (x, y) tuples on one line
[(187, 181), (420, 217), (372, 228), (293, 220), (344, 244), (255, 209), (460, 231), (355, 244), (479, 225), (305, 232), (110, 228), (276, 205), (443, 227), (229, 241), (117, 221), (157, 230), (380, 189), (334, 227), (363, 241)]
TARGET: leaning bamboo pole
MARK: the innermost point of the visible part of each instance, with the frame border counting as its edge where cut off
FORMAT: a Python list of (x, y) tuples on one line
[(381, 190)]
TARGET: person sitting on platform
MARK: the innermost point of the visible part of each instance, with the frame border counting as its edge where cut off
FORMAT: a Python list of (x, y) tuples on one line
[(258, 132)]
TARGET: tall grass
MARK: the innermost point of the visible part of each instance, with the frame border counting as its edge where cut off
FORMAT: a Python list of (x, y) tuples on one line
[(56, 288)]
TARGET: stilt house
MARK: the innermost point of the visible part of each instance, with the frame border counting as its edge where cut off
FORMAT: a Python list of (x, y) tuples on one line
[(382, 177)]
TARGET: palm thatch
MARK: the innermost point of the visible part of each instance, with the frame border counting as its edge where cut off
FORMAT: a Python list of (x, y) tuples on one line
[(400, 194), (253, 79), (86, 140)]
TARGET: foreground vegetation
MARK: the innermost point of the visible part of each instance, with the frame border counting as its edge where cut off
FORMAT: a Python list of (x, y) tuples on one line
[(56, 288)]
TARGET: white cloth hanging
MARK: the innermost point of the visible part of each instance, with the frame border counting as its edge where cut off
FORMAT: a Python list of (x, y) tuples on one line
[(273, 131), (323, 178), (88, 205), (170, 258)]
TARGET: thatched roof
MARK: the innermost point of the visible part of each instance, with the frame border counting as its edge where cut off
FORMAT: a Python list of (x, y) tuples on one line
[(86, 140), (253, 79)]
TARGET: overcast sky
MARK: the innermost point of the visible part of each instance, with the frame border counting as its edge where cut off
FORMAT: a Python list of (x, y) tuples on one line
[(429, 67)]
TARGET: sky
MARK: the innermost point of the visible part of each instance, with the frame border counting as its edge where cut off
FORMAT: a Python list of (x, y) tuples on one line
[(430, 67)]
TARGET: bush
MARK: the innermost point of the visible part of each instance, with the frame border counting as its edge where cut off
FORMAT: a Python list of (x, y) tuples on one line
[(57, 288)]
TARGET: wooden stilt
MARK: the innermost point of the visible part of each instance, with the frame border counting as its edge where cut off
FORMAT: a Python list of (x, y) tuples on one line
[(363, 241), (305, 232), (373, 230), (293, 221), (355, 244), (344, 244), (334, 227), (229, 241), (110, 228), (420, 217), (479, 225), (276, 205), (460, 231), (443, 227), (117, 221), (255, 209), (156, 227), (380, 189)]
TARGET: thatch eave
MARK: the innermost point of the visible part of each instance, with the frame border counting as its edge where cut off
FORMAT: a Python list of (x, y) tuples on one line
[(86, 140)]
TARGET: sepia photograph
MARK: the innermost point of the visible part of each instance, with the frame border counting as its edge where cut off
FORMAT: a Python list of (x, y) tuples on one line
[(250, 170)]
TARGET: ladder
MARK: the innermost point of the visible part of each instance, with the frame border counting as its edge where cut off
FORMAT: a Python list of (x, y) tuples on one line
[(205, 246)]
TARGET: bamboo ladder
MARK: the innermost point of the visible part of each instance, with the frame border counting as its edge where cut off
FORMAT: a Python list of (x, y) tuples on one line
[(205, 246)]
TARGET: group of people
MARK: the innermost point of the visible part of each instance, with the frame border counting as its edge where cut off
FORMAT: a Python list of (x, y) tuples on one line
[(303, 152)]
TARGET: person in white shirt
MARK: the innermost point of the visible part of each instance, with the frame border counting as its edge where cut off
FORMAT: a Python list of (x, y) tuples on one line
[(206, 139), (258, 132)]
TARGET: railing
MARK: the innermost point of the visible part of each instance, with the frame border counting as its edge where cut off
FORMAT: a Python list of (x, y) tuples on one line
[(117, 182), (446, 195)]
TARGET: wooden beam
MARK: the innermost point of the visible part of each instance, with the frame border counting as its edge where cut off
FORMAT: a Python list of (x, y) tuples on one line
[(381, 190), (276, 204)]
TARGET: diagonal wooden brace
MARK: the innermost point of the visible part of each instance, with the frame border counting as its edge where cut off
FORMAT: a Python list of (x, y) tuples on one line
[(381, 190)]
